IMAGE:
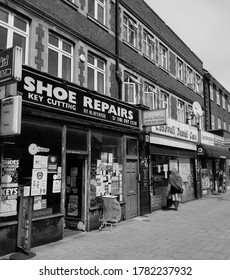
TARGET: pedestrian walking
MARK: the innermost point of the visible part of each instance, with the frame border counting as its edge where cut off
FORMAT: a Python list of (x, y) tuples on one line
[(175, 185)]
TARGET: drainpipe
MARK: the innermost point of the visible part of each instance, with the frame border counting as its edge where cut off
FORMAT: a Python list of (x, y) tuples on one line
[(117, 49)]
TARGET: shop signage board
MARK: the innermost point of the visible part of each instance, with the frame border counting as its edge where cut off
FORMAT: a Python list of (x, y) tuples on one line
[(10, 65), (154, 117), (11, 112), (177, 130), (41, 90), (210, 139)]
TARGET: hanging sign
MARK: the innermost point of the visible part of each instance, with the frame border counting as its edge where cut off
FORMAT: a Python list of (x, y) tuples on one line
[(11, 113), (10, 66), (154, 117)]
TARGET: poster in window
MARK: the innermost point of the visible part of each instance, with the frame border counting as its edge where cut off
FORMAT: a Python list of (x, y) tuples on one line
[(39, 182)]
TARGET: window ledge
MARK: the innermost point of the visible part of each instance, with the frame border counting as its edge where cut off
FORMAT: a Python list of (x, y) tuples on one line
[(131, 46), (97, 22), (163, 69), (71, 4), (149, 59)]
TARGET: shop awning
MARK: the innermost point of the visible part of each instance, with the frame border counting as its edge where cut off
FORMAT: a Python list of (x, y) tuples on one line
[(215, 152)]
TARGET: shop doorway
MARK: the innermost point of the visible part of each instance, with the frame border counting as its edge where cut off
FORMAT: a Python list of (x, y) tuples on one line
[(131, 188), (75, 191)]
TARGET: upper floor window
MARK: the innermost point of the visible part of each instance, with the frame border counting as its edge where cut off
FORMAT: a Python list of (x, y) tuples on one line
[(60, 57), (217, 96), (130, 30), (219, 123), (149, 45), (223, 102), (163, 57), (99, 10), (190, 118), (211, 91), (190, 77), (150, 96), (14, 31), (213, 122), (180, 67), (225, 125), (163, 101), (198, 84), (228, 104), (96, 73), (180, 111), (131, 92)]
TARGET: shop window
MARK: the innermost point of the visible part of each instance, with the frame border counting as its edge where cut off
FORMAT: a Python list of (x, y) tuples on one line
[(60, 57), (151, 96), (149, 46), (14, 31), (96, 73), (130, 29), (131, 147), (33, 162), (76, 139), (131, 85), (106, 167)]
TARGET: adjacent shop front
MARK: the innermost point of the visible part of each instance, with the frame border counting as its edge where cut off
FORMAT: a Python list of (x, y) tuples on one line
[(212, 156), (172, 145), (74, 148)]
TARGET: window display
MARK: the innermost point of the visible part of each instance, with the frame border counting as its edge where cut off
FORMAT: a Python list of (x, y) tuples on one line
[(106, 167)]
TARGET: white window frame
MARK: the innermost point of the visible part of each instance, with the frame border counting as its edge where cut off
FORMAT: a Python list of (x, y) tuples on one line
[(225, 125), (101, 4), (223, 102), (190, 77), (190, 117), (164, 101), (180, 111), (61, 52), (163, 56), (11, 29), (149, 46), (219, 125), (217, 97), (211, 92), (198, 84), (150, 97), (228, 104), (130, 28), (97, 70), (131, 89), (180, 69)]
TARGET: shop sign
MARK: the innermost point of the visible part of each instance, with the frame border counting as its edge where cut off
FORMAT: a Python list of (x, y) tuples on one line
[(10, 65), (43, 91), (154, 117), (11, 112), (177, 130), (211, 139)]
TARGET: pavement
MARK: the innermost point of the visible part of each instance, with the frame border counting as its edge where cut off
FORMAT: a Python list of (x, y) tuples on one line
[(200, 230)]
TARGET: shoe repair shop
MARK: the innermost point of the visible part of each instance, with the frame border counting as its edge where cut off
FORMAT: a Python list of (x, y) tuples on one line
[(75, 146)]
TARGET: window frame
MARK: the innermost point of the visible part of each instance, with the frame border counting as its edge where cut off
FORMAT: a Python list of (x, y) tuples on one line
[(96, 71), (211, 91), (163, 57), (130, 27), (180, 69), (60, 52), (219, 123), (213, 125), (223, 101), (149, 45), (150, 93), (217, 96), (133, 88), (164, 101), (96, 14), (11, 30), (180, 111), (190, 77)]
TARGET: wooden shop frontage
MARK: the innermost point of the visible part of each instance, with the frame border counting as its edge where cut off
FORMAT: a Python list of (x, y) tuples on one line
[(75, 146)]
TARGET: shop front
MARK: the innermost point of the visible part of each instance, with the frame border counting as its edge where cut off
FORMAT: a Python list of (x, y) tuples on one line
[(212, 156), (172, 145), (74, 148)]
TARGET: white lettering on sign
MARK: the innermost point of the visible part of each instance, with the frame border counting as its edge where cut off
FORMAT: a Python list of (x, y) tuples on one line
[(104, 107), (57, 92)]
